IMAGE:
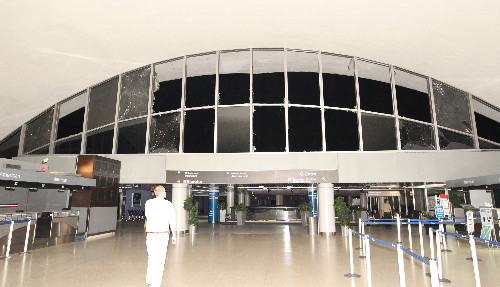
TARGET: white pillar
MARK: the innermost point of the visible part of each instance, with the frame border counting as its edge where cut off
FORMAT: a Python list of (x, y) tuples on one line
[(241, 196), (279, 199), (229, 197), (326, 212), (180, 192), (363, 198), (247, 198)]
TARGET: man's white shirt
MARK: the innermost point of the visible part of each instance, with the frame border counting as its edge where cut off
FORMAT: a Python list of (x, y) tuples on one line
[(160, 214)]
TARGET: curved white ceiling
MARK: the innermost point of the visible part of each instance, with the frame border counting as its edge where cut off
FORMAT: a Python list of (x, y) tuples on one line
[(53, 49)]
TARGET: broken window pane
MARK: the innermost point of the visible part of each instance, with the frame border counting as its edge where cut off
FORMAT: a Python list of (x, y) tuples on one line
[(452, 107), (379, 132), (10, 146), (69, 146), (416, 136), (304, 129), (199, 131), (102, 105), (453, 140), (100, 141), (38, 131), (234, 77), (268, 76), (303, 78), (233, 129), (269, 129), (200, 80), (71, 114), (134, 95), (412, 96), (487, 128), (167, 94), (341, 128), (338, 82), (487, 145), (164, 133), (132, 136), (374, 87)]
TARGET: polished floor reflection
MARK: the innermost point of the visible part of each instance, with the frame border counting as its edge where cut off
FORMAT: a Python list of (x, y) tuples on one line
[(229, 255)]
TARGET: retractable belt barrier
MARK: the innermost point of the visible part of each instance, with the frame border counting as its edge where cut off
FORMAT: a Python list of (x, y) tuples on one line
[(11, 230)]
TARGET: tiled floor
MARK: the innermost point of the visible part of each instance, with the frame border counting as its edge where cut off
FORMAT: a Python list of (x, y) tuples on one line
[(229, 255)]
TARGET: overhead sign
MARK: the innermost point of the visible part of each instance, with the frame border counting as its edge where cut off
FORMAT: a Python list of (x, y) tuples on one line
[(470, 222), (383, 193), (248, 177), (45, 177), (474, 181)]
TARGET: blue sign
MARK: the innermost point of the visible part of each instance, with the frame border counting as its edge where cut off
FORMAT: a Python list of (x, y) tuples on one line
[(213, 206), (439, 211)]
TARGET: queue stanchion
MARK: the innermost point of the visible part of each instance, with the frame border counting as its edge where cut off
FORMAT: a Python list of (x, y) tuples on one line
[(445, 248), (431, 240), (368, 261), (398, 220), (360, 240), (439, 259), (474, 260), (402, 278), (422, 252), (434, 273), (25, 250), (409, 235), (351, 260), (9, 241), (363, 251)]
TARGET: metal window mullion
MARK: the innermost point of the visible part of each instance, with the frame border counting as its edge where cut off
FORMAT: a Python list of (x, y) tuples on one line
[(322, 101), (285, 66), (251, 101), (395, 104), (117, 113), (358, 104), (85, 120), (434, 116), (473, 119), (216, 95), (53, 130), (150, 103), (183, 103), (20, 150)]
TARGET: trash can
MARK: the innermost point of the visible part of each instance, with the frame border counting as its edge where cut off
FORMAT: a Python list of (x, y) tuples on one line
[(313, 225)]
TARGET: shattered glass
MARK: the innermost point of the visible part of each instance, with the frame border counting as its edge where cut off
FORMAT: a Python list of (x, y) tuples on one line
[(134, 95), (233, 129), (10, 146), (452, 140), (38, 131), (69, 146), (164, 133), (416, 136), (102, 105), (452, 107), (167, 94), (487, 145)]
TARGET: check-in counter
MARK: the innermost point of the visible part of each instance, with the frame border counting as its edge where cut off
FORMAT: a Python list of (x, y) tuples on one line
[(19, 229), (55, 227), (265, 213)]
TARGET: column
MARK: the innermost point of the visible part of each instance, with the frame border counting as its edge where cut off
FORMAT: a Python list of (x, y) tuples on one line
[(241, 196), (247, 198), (180, 192), (349, 200), (230, 198), (326, 212), (279, 199), (213, 203), (363, 199), (312, 199)]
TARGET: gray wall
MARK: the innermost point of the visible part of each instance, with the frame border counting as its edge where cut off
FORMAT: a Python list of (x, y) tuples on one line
[(42, 200)]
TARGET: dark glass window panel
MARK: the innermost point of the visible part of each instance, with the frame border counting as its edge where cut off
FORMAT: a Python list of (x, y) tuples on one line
[(452, 107), (338, 82), (44, 150), (268, 76), (374, 88), (102, 105), (134, 93), (234, 89), (269, 129), (487, 145), (164, 133), (379, 132), (304, 129), (100, 141), (70, 146), (452, 140), (416, 136), (9, 147), (487, 128), (38, 131), (199, 131), (412, 96), (233, 129), (341, 128), (303, 88), (200, 80), (167, 94), (132, 136), (71, 124), (94, 195)]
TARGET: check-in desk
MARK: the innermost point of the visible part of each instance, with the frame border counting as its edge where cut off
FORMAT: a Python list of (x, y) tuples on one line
[(19, 229), (55, 227), (278, 213)]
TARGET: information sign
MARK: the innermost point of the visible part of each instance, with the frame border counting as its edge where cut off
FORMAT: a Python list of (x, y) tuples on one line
[(439, 211), (470, 222), (486, 216)]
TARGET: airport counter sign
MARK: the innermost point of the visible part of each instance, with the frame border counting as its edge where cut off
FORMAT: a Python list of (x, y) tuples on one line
[(248, 177)]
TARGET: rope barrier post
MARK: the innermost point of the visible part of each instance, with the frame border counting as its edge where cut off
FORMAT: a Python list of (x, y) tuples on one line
[(402, 279), (9, 241), (434, 273), (363, 251), (421, 239), (360, 240), (409, 235), (474, 260), (25, 250), (399, 228), (445, 248), (439, 260), (351, 260), (431, 240), (368, 261)]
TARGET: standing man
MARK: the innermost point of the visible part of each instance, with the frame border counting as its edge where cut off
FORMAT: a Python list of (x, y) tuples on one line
[(386, 211), (159, 214)]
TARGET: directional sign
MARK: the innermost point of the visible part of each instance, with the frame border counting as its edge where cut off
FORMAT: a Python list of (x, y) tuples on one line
[(439, 211)]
